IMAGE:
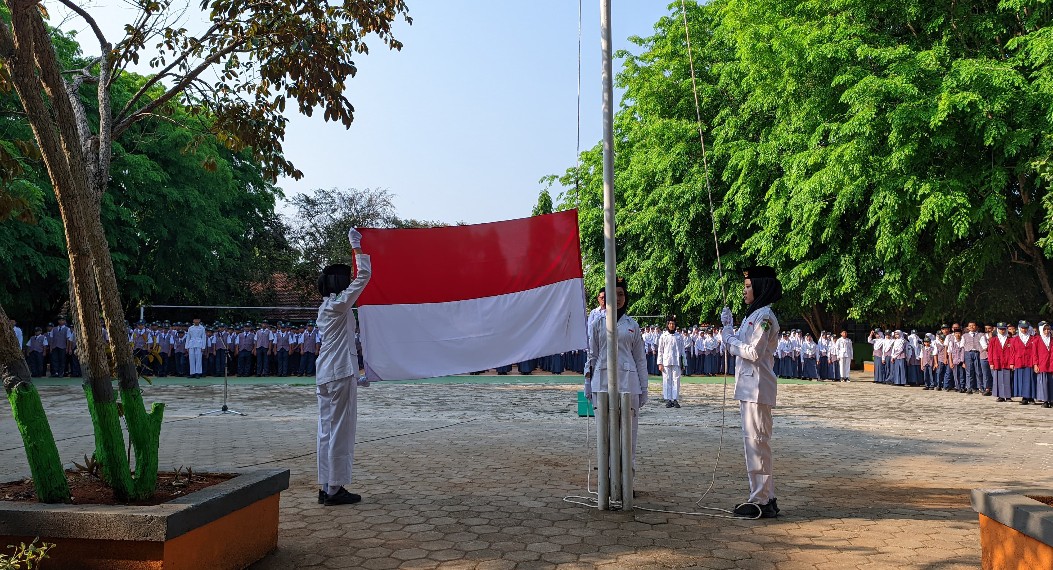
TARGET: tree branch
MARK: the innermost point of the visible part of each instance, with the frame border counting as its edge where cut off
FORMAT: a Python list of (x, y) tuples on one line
[(126, 110), (103, 43), (124, 121)]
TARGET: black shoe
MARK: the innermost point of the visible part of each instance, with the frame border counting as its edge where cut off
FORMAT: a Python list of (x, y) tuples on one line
[(321, 497), (342, 497), (1000, 400), (927, 388), (1024, 402), (676, 403), (669, 403), (770, 510), (939, 388), (748, 511), (987, 393), (1049, 404), (969, 392)]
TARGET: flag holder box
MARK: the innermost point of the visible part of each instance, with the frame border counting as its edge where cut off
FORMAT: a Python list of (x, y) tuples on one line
[(584, 406)]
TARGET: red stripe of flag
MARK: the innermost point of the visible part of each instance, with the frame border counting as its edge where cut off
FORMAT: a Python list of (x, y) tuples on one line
[(436, 265)]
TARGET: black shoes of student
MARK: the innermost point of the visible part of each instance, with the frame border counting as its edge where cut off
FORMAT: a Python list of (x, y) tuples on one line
[(342, 497), (768, 510), (669, 403), (1024, 402), (939, 388), (748, 511), (1049, 404), (321, 497), (1000, 400), (676, 403)]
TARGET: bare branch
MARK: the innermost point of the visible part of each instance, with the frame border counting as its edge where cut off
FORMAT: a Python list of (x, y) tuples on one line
[(103, 42)]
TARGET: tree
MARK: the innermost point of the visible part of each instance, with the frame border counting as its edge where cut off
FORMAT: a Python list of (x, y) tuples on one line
[(262, 56), (888, 159), (318, 228), (544, 203)]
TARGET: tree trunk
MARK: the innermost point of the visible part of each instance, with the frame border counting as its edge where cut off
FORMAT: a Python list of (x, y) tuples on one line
[(144, 428), (49, 479), (1039, 263), (29, 54)]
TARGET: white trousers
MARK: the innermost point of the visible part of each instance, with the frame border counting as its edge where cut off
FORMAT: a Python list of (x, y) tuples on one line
[(670, 382), (337, 419), (846, 367), (756, 435), (195, 360)]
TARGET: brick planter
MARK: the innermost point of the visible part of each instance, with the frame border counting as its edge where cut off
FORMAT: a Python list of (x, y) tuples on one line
[(1016, 532), (225, 526)]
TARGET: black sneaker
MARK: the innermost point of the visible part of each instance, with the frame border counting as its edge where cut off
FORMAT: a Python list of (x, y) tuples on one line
[(748, 511), (342, 497), (669, 403), (676, 403), (1000, 400), (321, 497), (770, 510)]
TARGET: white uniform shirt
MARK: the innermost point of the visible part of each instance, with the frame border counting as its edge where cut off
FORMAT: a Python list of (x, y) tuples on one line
[(843, 348), (808, 349), (754, 345), (898, 349), (338, 357), (632, 363), (671, 348), (196, 337)]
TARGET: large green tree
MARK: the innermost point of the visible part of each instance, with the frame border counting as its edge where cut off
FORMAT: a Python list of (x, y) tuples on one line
[(240, 72), (889, 159)]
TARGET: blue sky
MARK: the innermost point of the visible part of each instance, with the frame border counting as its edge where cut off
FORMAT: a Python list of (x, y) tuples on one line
[(477, 107), (462, 123)]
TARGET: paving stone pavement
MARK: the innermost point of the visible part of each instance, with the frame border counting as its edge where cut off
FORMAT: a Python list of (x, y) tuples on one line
[(473, 476)]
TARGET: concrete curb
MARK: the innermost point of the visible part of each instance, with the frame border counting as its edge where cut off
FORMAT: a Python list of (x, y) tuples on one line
[(1014, 510), (157, 523)]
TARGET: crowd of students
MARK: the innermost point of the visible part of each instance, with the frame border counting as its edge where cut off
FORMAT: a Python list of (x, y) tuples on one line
[(166, 349), (1002, 360)]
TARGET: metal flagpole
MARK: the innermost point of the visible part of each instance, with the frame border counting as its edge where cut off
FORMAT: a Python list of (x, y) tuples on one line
[(620, 486)]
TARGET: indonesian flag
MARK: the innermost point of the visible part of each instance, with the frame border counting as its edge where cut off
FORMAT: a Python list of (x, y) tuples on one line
[(460, 299)]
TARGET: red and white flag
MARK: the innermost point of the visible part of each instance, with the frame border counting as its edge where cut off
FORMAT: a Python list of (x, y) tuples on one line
[(459, 299)]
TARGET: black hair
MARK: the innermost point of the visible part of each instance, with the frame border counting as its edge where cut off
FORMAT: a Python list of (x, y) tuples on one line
[(334, 279)]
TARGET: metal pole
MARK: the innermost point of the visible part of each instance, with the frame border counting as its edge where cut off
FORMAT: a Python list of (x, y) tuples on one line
[(610, 257), (603, 442), (627, 451)]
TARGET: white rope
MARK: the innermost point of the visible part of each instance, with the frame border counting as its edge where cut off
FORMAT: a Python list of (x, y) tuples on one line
[(702, 139)]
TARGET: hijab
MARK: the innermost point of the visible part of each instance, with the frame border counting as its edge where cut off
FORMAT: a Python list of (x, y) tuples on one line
[(766, 290)]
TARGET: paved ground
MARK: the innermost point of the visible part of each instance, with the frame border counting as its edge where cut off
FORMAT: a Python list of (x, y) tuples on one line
[(474, 475)]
